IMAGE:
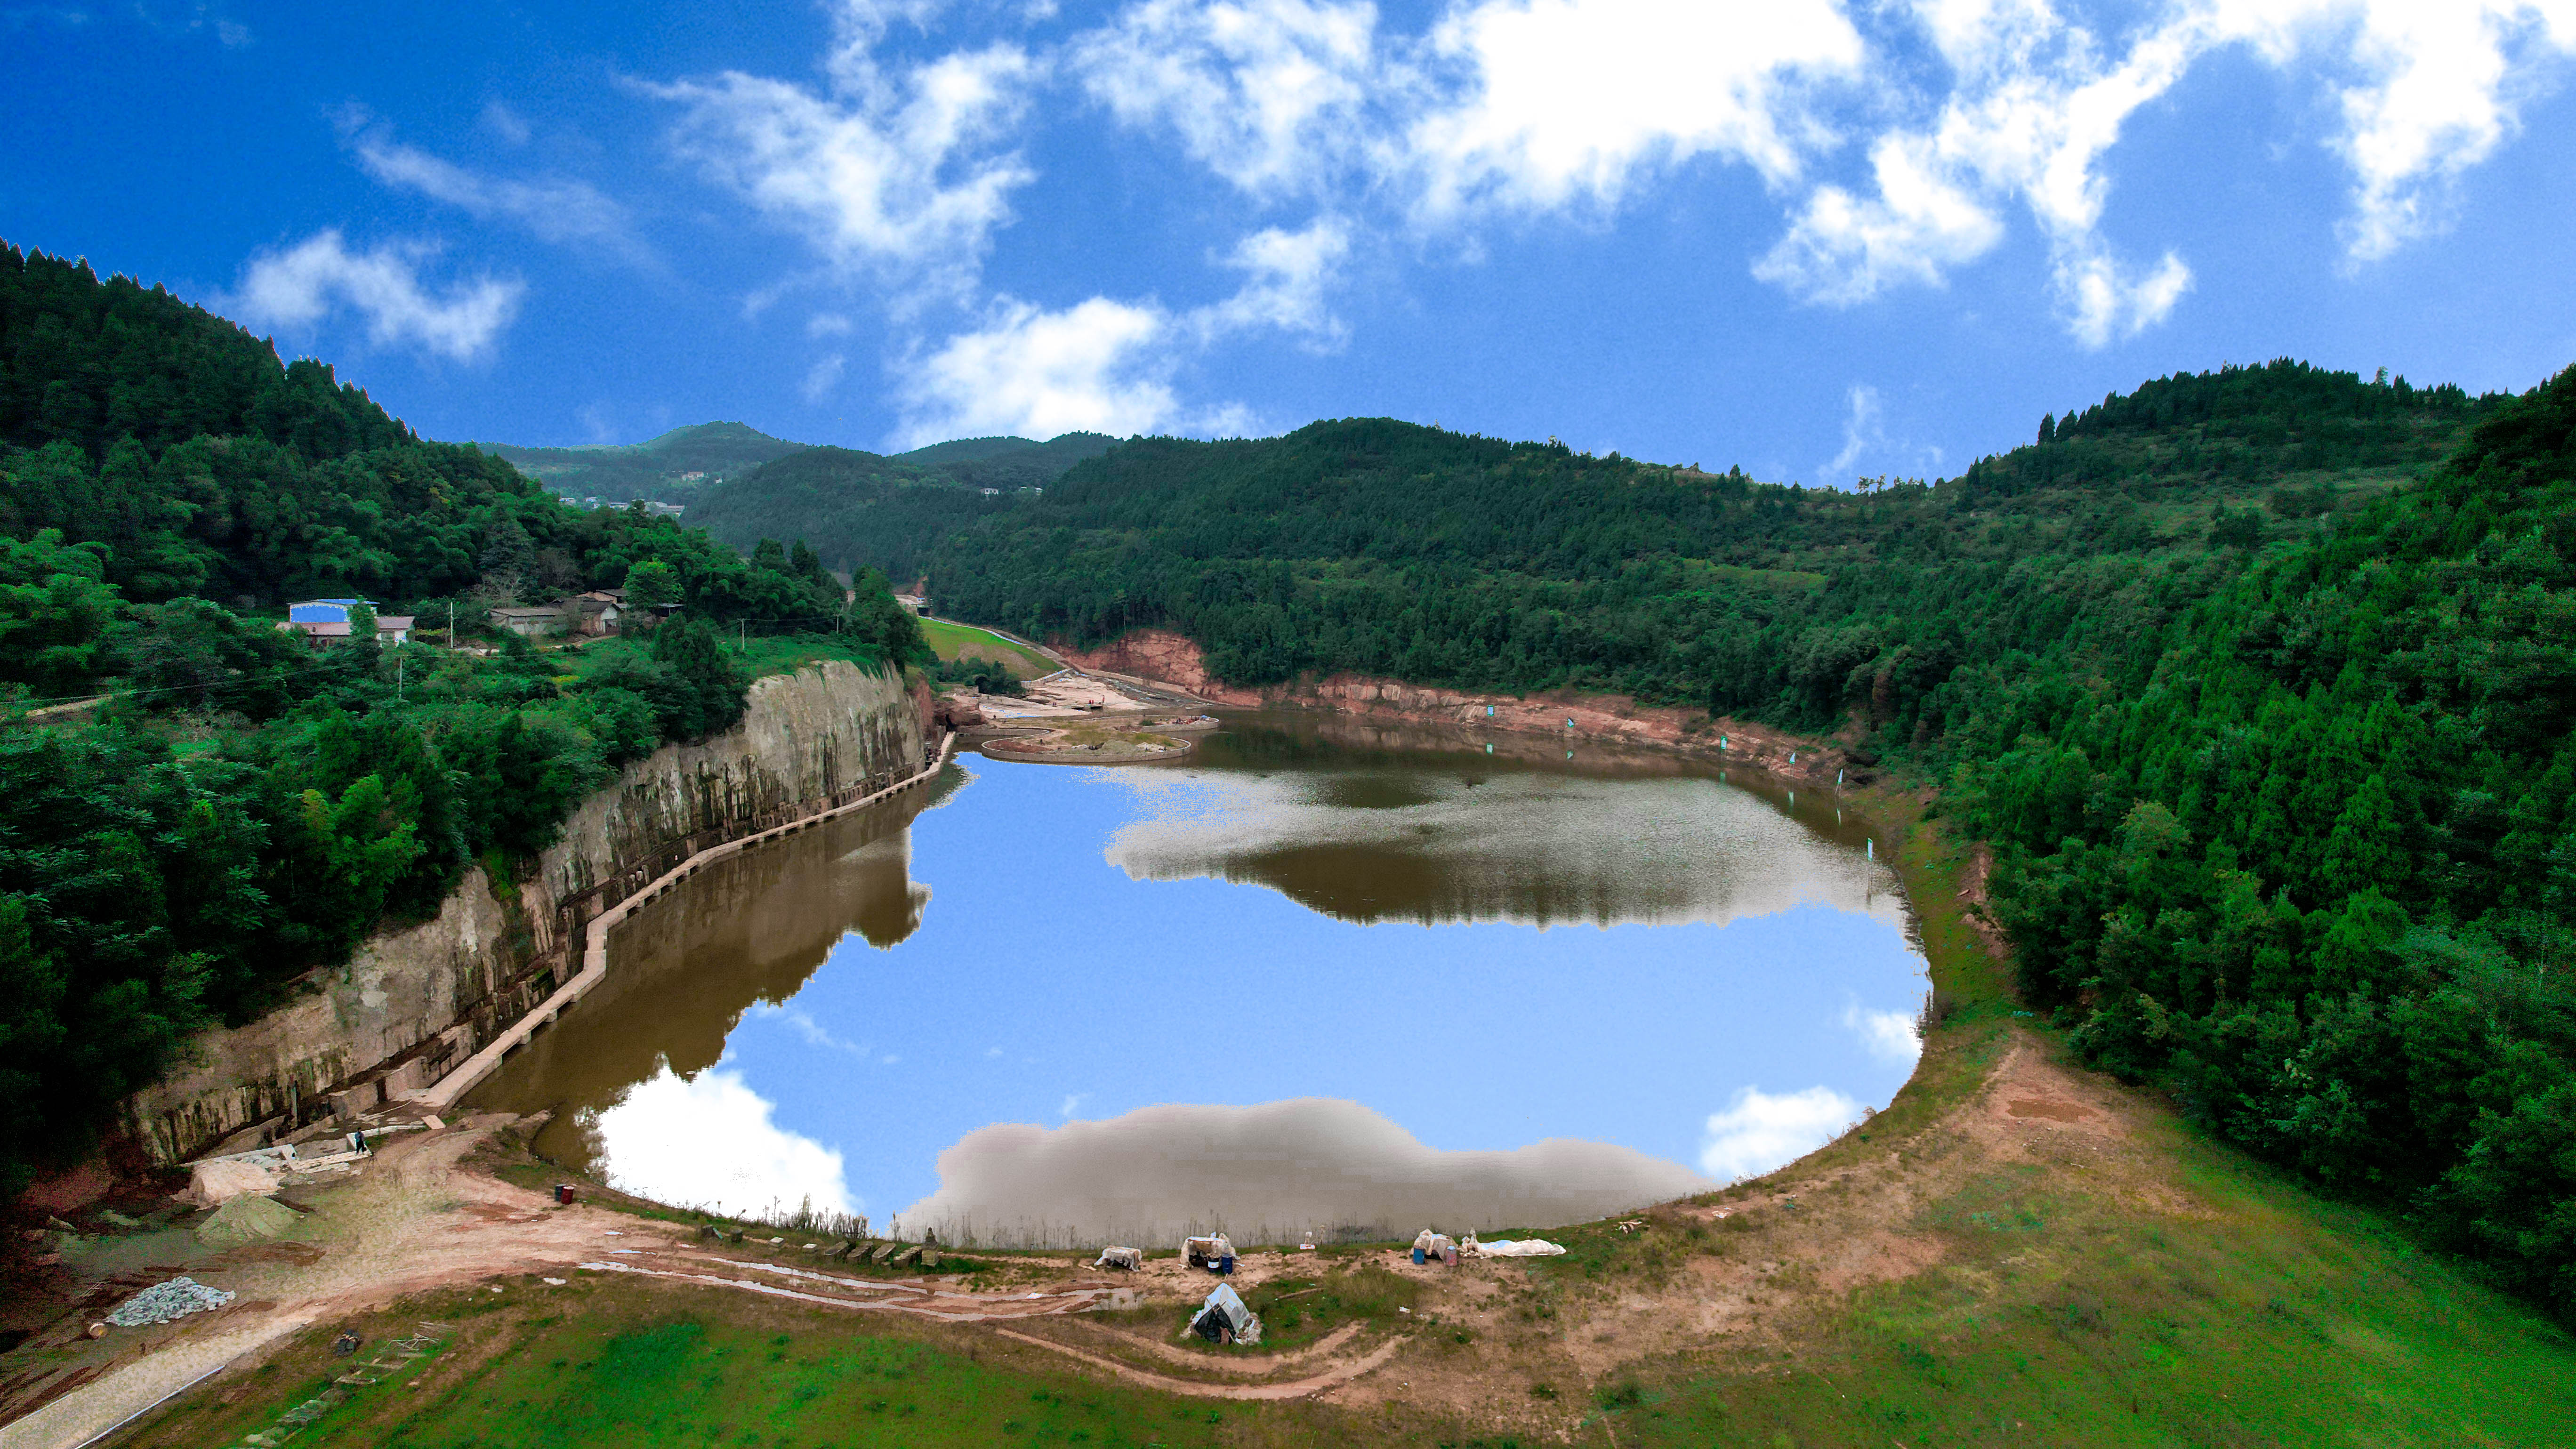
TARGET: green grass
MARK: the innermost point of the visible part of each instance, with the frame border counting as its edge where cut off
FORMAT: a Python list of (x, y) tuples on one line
[(760, 656), (962, 641), (2199, 1299), (2066, 1318), (626, 1366)]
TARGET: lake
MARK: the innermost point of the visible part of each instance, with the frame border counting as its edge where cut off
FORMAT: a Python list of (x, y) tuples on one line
[(1322, 977)]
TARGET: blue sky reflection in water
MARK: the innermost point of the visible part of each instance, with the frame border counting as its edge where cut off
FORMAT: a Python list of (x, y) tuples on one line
[(1425, 961)]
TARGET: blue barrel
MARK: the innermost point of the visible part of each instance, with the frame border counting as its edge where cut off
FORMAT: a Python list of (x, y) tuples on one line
[(1225, 1265), (1417, 1257)]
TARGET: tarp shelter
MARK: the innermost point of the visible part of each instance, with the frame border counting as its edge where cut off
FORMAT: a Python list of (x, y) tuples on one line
[(1214, 1251), (1225, 1318), (1127, 1258)]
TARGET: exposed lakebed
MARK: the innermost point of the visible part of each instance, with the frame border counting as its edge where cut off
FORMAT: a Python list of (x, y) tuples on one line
[(1320, 977)]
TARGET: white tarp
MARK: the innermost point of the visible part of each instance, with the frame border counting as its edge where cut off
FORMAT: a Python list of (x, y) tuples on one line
[(1128, 1258), (1518, 1248)]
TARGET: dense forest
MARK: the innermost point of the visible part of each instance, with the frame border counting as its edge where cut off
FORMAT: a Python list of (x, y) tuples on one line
[(236, 808), (2260, 681), (863, 511)]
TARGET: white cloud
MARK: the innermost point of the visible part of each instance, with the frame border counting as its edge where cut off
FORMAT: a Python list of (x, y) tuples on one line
[(1072, 1101), (901, 175), (1106, 366), (1860, 433), (709, 1140), (823, 376), (1266, 93), (2442, 86), (802, 1022), (1564, 101), (565, 212), (2035, 103), (1759, 1132), (1286, 274), (1101, 366), (2033, 106), (1887, 1035), (505, 123), (299, 287)]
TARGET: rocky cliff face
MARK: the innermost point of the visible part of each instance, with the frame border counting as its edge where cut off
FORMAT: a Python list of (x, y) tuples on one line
[(418, 1000)]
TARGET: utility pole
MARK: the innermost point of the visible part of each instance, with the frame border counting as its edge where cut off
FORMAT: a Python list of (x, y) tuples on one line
[(399, 661), (451, 626), (742, 637)]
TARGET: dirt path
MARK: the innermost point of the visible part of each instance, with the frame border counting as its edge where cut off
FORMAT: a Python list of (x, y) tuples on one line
[(417, 1219), (414, 1220)]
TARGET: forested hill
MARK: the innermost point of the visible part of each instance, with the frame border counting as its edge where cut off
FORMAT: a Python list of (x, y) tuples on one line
[(1385, 548), (238, 808), (673, 468), (862, 510)]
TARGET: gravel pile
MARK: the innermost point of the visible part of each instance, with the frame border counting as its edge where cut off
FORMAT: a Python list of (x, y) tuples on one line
[(164, 1301)]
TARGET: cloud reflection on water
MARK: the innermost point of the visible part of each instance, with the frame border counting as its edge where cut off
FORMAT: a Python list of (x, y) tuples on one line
[(1266, 1173), (709, 1141), (1530, 848)]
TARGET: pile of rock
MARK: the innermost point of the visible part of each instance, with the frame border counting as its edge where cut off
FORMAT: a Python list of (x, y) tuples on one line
[(165, 1301)]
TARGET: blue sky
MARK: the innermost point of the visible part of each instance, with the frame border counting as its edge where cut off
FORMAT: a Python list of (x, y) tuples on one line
[(1819, 238)]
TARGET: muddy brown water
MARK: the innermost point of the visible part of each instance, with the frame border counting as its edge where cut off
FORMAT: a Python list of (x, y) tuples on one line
[(1323, 977)]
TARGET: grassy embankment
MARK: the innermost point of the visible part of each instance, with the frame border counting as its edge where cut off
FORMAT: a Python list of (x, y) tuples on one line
[(2127, 1283), (963, 641), (2142, 1285)]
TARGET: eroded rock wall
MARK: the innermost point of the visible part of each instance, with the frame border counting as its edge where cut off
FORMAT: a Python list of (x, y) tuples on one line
[(416, 1001)]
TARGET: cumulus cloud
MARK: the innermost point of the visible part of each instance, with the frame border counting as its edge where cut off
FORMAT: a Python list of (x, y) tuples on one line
[(565, 212), (900, 174), (2442, 84), (1886, 1035), (1099, 366), (1758, 1132), (1266, 93), (1105, 365), (298, 287), (1902, 142), (1552, 102), (1308, 1165), (2035, 103), (1286, 277), (709, 1140)]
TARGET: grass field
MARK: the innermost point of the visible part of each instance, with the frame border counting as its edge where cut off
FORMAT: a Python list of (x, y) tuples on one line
[(642, 1366), (961, 641)]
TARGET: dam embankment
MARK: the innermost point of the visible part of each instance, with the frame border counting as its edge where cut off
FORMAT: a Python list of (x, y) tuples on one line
[(415, 1004)]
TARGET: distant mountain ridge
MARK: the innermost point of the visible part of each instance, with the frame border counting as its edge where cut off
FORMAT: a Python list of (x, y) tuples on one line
[(668, 469), (863, 510)]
